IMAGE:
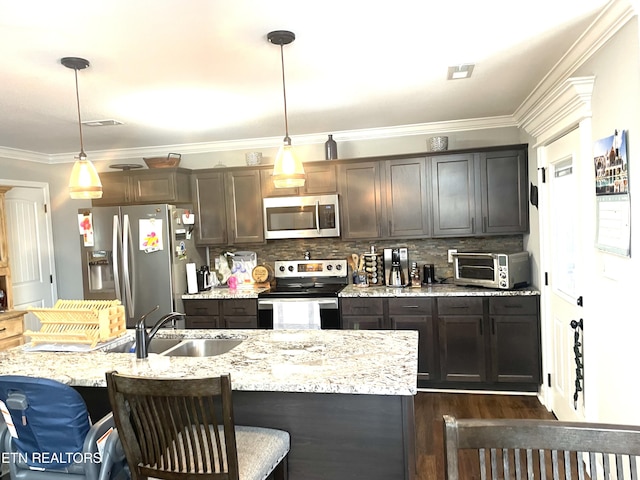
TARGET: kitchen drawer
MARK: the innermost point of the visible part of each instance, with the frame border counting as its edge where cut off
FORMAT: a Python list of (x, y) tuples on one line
[(460, 306), (8, 343), (201, 322), (362, 306), (11, 327), (240, 321), (240, 307), (410, 306), (201, 307), (519, 305)]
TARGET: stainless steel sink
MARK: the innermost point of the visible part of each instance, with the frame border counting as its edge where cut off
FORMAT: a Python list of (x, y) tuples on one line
[(157, 345), (180, 347), (202, 347)]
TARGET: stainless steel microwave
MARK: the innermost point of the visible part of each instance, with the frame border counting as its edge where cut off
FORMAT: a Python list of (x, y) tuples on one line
[(301, 217), (493, 270)]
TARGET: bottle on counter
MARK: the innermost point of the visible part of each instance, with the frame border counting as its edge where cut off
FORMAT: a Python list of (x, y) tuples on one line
[(414, 275)]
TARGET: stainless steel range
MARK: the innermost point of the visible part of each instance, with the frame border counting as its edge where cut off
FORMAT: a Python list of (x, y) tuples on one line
[(302, 280)]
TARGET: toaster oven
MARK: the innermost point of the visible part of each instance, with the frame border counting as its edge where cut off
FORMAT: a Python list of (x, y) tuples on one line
[(492, 270)]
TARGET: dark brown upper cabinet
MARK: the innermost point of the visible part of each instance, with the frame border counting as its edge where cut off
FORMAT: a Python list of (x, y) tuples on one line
[(136, 187), (386, 199), (479, 194), (453, 196), (228, 206), (320, 179), (503, 187)]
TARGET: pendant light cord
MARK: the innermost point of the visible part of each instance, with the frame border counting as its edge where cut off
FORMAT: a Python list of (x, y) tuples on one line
[(82, 155), (284, 94)]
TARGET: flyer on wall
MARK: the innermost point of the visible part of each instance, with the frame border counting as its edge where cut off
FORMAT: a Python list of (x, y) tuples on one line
[(613, 220)]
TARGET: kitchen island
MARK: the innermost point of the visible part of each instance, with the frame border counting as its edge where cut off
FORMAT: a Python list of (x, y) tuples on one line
[(346, 397)]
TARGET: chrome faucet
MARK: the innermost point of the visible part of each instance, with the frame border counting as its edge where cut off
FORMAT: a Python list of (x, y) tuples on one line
[(143, 338)]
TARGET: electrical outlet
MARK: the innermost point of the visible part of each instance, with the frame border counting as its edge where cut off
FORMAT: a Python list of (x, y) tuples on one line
[(449, 252)]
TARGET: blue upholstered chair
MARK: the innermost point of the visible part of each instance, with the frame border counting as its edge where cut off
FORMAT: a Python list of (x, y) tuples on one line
[(47, 433)]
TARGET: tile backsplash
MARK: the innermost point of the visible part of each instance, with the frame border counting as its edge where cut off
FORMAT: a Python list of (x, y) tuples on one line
[(428, 250)]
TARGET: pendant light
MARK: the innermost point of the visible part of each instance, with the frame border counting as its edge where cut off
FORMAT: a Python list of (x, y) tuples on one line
[(287, 170), (84, 182)]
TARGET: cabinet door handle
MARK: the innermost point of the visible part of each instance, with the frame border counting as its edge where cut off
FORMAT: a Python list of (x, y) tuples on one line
[(459, 307), (3, 329), (481, 332), (484, 224), (473, 225), (493, 326), (410, 306)]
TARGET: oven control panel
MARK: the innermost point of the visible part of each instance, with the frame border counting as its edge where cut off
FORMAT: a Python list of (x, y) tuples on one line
[(310, 268)]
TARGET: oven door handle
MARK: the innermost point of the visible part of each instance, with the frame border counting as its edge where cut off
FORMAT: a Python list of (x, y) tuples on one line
[(318, 216), (320, 302)]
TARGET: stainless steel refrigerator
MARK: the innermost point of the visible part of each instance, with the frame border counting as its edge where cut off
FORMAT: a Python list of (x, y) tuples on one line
[(138, 255)]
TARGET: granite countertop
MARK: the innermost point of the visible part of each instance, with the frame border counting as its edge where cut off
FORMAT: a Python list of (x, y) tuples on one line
[(221, 293), (435, 290), (380, 362)]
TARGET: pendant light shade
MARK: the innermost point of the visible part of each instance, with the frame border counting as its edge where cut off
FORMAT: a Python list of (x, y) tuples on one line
[(287, 169), (84, 182)]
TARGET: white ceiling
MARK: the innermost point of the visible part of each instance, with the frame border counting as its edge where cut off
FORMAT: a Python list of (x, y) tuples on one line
[(179, 72)]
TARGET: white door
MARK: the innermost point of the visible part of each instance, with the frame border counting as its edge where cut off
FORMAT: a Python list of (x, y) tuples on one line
[(30, 251), (563, 244)]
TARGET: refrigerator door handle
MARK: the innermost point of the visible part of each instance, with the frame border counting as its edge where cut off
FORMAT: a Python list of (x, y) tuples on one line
[(127, 246), (116, 263)]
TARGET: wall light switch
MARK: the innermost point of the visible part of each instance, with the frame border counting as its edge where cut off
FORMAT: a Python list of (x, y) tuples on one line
[(449, 252)]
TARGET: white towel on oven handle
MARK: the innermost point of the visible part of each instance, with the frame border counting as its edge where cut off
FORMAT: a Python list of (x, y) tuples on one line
[(302, 315)]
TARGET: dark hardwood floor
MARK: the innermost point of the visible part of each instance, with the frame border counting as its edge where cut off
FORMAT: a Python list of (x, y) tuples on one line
[(430, 407)]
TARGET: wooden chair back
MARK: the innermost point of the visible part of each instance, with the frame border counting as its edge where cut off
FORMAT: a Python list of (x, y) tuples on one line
[(175, 429), (539, 449)]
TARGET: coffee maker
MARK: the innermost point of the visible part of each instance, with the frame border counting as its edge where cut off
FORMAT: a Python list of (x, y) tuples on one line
[(396, 266)]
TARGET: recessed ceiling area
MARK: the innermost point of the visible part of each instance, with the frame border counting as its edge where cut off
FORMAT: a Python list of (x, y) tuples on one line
[(180, 73)]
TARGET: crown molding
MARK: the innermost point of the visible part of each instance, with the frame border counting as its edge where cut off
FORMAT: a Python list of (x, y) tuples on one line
[(565, 106), (274, 142), (24, 155), (612, 18)]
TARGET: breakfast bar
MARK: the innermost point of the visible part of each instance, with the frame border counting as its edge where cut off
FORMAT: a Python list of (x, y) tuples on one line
[(346, 397)]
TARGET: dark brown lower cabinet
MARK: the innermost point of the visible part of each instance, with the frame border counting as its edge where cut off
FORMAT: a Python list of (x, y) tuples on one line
[(202, 313), (474, 342), (494, 341), (461, 339), (241, 313), (417, 314), (363, 313), (515, 340)]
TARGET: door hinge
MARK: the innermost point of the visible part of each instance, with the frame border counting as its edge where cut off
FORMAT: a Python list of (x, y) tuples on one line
[(549, 380), (45, 207), (51, 279), (546, 278), (579, 301)]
